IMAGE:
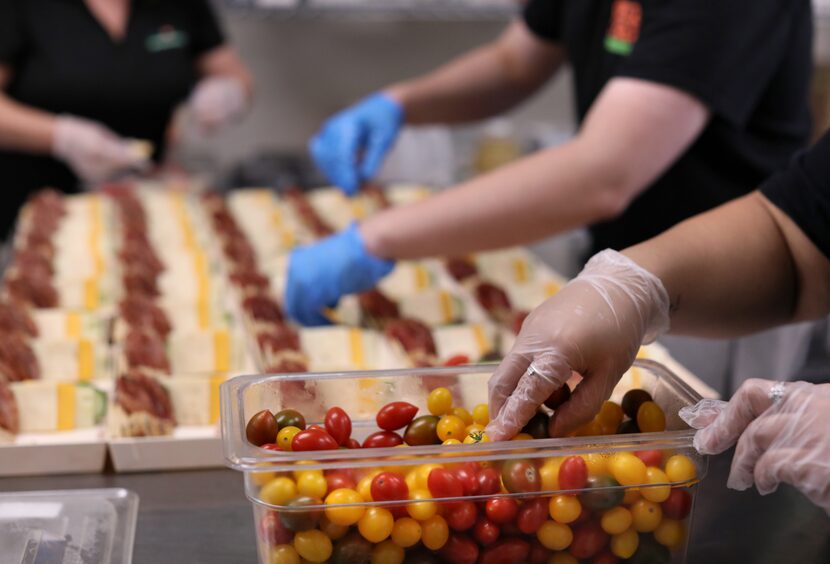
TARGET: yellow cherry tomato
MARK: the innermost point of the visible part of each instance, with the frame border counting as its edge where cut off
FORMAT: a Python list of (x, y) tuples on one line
[(278, 491), (627, 469), (625, 544), (313, 545), (411, 480), (312, 485), (631, 495), (611, 414), (563, 558), (439, 401), (463, 414), (422, 475), (476, 437), (376, 524), (646, 515), (549, 474), (680, 468), (283, 554), (344, 515), (650, 418), (597, 463), (657, 494), (262, 478), (450, 442), (421, 510), (670, 533), (387, 552), (434, 532), (300, 473), (616, 520), (564, 508), (285, 436), (523, 437), (406, 532), (481, 414), (555, 536), (450, 427)]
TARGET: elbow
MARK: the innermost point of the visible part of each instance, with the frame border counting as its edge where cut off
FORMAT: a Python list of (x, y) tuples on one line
[(610, 198)]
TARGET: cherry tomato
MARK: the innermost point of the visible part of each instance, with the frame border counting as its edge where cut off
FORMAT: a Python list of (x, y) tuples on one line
[(466, 474), (680, 468), (506, 551), (459, 549), (313, 545), (338, 425), (481, 414), (558, 397), (439, 401), (312, 439), (628, 427), (486, 532), (273, 531), (650, 457), (565, 509), (555, 536), (605, 557), (434, 532), (532, 514), (443, 483), (678, 505), (646, 515), (589, 540), (296, 519), (489, 481), (501, 510), (395, 415), (389, 486), (450, 427), (538, 553), (382, 439), (457, 360), (463, 414), (650, 418), (343, 507), (603, 493), (376, 524), (352, 443), (520, 476), (461, 516), (337, 479), (632, 400), (537, 427), (352, 548), (261, 428), (422, 431), (573, 474), (286, 435), (271, 446), (290, 418), (649, 551)]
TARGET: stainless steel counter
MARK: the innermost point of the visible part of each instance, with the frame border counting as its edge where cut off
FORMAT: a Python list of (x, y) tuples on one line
[(204, 518)]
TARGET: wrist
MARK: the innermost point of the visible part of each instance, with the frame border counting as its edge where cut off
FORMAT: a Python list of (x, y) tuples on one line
[(372, 238), (398, 94)]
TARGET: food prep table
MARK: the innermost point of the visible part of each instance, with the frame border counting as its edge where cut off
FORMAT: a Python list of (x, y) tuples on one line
[(202, 517)]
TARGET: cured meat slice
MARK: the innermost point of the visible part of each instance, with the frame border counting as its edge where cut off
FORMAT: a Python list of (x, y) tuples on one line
[(136, 392), (145, 349), (18, 360), (493, 299), (249, 279), (15, 319), (414, 336), (142, 313), (461, 268), (9, 416), (279, 338), (263, 308), (377, 307), (32, 288)]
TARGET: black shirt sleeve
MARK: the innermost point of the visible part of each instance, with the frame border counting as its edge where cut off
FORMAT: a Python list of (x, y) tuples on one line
[(723, 52), (544, 18), (206, 34), (802, 191), (11, 32)]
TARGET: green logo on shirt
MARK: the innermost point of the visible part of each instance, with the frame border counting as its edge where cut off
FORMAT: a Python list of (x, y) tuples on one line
[(166, 39)]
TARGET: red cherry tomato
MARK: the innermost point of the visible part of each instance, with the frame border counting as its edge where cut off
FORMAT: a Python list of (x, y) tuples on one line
[(466, 474), (337, 479), (352, 443), (273, 531), (584, 517), (313, 439), (462, 516), (501, 510), (532, 515), (389, 486), (506, 551), (489, 481), (538, 553), (573, 474), (396, 415), (457, 360), (650, 457), (338, 425), (270, 446), (459, 549), (589, 540), (678, 504), (605, 557), (382, 439), (443, 483), (486, 532)]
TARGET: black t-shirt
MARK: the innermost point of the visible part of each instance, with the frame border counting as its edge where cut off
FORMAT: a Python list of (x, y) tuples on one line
[(63, 61), (802, 191), (748, 61)]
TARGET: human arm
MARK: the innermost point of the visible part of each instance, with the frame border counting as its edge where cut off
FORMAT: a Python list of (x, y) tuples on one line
[(22, 127), (225, 90)]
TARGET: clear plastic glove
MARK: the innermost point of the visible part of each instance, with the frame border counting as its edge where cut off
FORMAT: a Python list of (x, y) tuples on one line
[(218, 101), (351, 145), (319, 274), (92, 151), (784, 440), (593, 327)]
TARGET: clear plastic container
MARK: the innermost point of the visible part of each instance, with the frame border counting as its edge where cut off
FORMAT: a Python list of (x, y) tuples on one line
[(621, 511), (68, 527)]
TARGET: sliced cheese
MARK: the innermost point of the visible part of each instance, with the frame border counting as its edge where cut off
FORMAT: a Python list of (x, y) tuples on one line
[(66, 406), (86, 360), (191, 399)]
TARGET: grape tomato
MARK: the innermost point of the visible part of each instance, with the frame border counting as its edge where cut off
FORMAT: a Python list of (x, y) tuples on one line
[(382, 439), (389, 486), (338, 425), (313, 439), (573, 473), (395, 415)]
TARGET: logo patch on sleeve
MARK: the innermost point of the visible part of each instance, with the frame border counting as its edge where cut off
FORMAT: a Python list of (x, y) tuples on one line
[(626, 18)]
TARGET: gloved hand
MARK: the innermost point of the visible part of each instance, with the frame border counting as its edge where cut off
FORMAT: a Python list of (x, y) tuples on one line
[(367, 130), (217, 101), (779, 440), (92, 151), (593, 327), (319, 274)]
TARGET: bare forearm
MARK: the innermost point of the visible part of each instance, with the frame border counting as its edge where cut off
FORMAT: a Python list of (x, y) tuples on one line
[(223, 61), (482, 83), (23, 128), (737, 269)]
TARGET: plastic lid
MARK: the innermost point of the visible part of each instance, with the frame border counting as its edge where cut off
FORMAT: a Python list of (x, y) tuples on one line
[(69, 526)]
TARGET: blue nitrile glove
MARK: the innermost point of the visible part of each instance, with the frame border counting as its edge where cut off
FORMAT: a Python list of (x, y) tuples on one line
[(319, 274), (351, 145)]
